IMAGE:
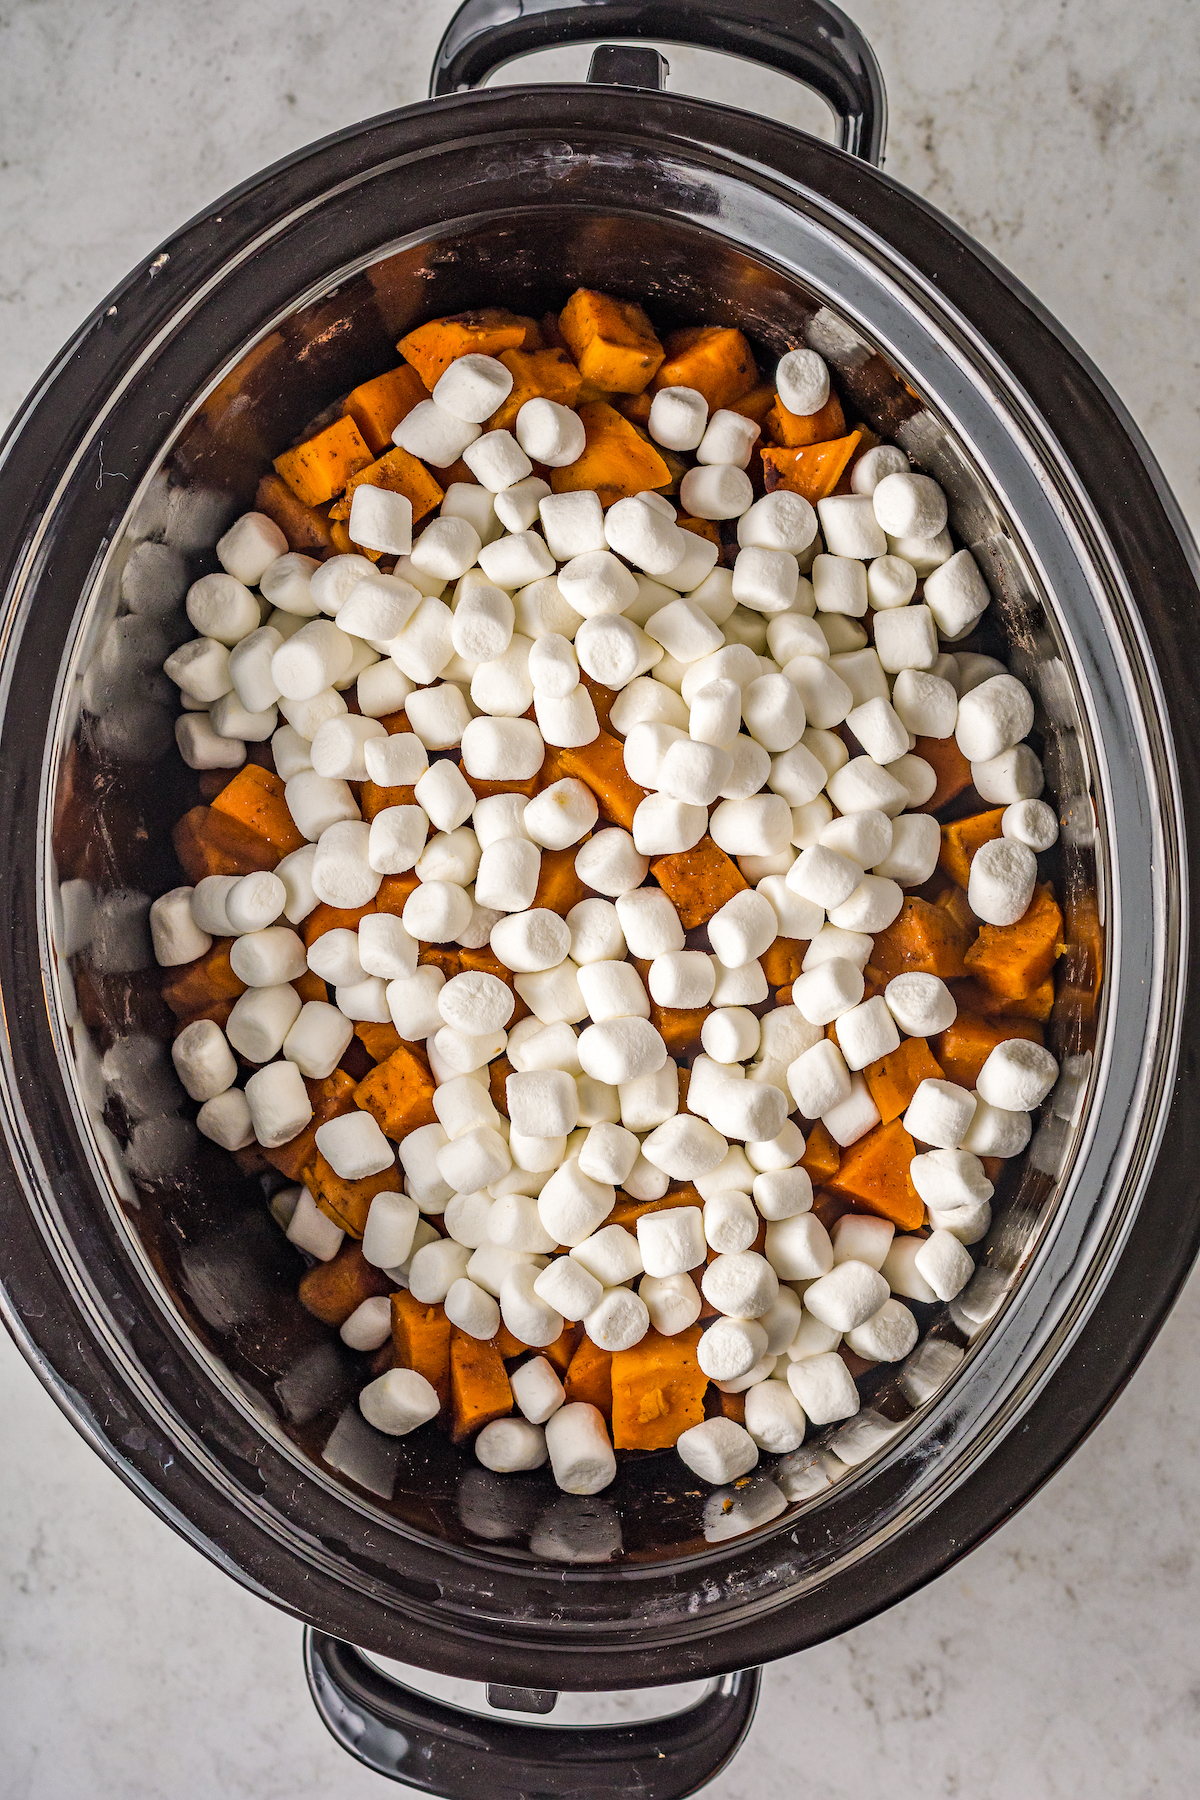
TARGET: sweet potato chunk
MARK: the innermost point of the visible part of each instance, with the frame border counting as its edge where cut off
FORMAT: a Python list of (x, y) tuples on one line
[(374, 799), (433, 347), (378, 406), (922, 938), (657, 1391), (559, 887), (398, 1093), (821, 1155), (754, 405), (479, 1390), (378, 1041), (951, 767), (963, 838), (895, 1078), (813, 470), (874, 1174), (305, 528), (537, 375), (310, 986), (716, 360), (255, 798), (959, 907), (421, 1338), (559, 1353), (1014, 960), (679, 1027), (600, 765), (330, 1098), (783, 960), (966, 1045), (331, 1291), (698, 882), (196, 985), (325, 918), (394, 891), (972, 996), (589, 1376), (320, 468), (400, 473), (347, 1203), (794, 430), (705, 528), (617, 462), (209, 843), (612, 341)]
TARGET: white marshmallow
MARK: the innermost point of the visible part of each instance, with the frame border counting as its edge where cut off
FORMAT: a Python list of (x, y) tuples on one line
[(727, 1349), (331, 583), (436, 912), (802, 382), (222, 608), (618, 1321), (475, 1311), (497, 817), (824, 1388), (434, 434), (550, 433), (783, 1193), (743, 928), (955, 592), (826, 697), (921, 1005), (925, 704), (997, 1131), (1017, 1076), (866, 1033), (201, 670), (891, 582), (553, 667), (621, 1050), (581, 1455), (644, 536), (840, 586), (765, 580), (872, 906), (354, 1146), (573, 524), (561, 814), (226, 1120), (472, 387), (311, 660), (482, 625), (467, 500), (438, 715), (537, 1390), (863, 784), (508, 875), (694, 568), (250, 546), (716, 491), (685, 631), (543, 1102), (848, 1296), (267, 958), (850, 527), (909, 505), (516, 560), (513, 1223), (993, 717), (678, 417), (1030, 822), (444, 795), (939, 1113), (613, 990), (366, 999), (396, 839), (716, 712), (1002, 880), (718, 1450), (279, 1103), (779, 521), (396, 761), (553, 994), (176, 936), (671, 1241), (334, 957), (250, 669), (671, 1301), (435, 1268), (502, 749), (611, 863), (774, 712), (380, 520), (424, 647), (342, 875), (760, 825), (413, 1004), (516, 507), (531, 941), (612, 1256), (338, 749), (887, 1336), (730, 1034), (596, 583), (398, 1402), (318, 1040), (609, 1152), (944, 1263), (730, 1222), (1014, 775), (390, 1230), (950, 1181), (665, 827), (974, 670), (729, 438), (819, 1079), (497, 461), (684, 1147)]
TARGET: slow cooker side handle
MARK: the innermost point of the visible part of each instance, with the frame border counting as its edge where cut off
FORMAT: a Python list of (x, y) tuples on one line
[(811, 40), (459, 1755)]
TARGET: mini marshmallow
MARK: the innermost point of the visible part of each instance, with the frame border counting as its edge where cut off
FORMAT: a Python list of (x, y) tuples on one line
[(751, 766), (553, 994), (571, 1205), (646, 749), (906, 639), (1014, 775), (502, 749), (830, 943), (250, 669), (466, 500), (473, 1159), (671, 1301), (694, 773), (267, 958), (974, 670), (596, 583), (608, 1152), (922, 1005), (472, 387), (342, 875), (955, 593), (909, 505), (644, 536), (176, 935), (201, 670), (758, 826), (916, 842), (850, 528), (730, 1222), (435, 1268), (1017, 1076), (949, 1181), (366, 1000), (497, 461), (765, 580), (993, 717), (944, 1263), (619, 1320), (685, 631), (443, 793), (497, 817), (716, 712), (796, 773), (891, 582), (438, 715), (779, 521), (866, 1033), (516, 560), (1002, 880), (222, 608), (1030, 822), (613, 651), (743, 928), (729, 438), (396, 761), (611, 1256), (874, 464), (824, 876), (684, 1147), (819, 1079), (613, 990), (783, 1193), (203, 1060), (318, 1040), (389, 1232), (826, 697), (473, 1310), (734, 662), (573, 524), (621, 1050), (436, 912), (848, 1296), (396, 839), (507, 1445), (824, 1387), (516, 507), (802, 382), (795, 917), (537, 1390), (473, 1001), (727, 1349), (354, 1146), (645, 701), (413, 1003), (774, 1417), (840, 586), (424, 647), (939, 1113), (339, 746), (730, 1034), (872, 906), (381, 520), (671, 1241), (334, 957), (678, 417), (666, 827), (863, 674), (514, 1224), (549, 433), (481, 628), (398, 1402), (610, 863), (561, 814), (996, 1131), (716, 491), (250, 546), (434, 434), (774, 712), (853, 1117), (508, 874), (887, 1336), (542, 1103), (581, 1455), (553, 667), (530, 941), (503, 687), (331, 583), (279, 1103), (863, 784)]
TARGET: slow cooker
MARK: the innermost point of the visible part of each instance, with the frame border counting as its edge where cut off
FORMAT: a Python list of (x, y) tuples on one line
[(144, 1278)]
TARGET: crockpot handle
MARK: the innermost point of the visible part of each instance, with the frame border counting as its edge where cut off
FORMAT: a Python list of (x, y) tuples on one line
[(811, 40), (459, 1755)]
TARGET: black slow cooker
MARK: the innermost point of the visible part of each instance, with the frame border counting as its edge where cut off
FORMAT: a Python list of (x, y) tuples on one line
[(146, 1282)]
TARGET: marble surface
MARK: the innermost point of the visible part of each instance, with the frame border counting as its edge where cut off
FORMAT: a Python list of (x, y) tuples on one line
[(1058, 1661)]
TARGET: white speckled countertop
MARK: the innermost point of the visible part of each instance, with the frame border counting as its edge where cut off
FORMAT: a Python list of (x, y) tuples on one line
[(1060, 1661)]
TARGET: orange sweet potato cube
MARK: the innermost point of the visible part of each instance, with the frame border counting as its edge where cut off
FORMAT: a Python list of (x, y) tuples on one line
[(657, 1391), (698, 882), (330, 1098), (963, 838), (1014, 961), (399, 473), (589, 1376), (783, 960), (813, 470), (432, 347), (600, 765), (965, 1046), (209, 843), (678, 1026), (377, 406), (754, 405), (559, 1353), (196, 985), (951, 767), (559, 887), (716, 360), (923, 938), (331, 1291), (537, 375), (617, 461), (615, 347), (305, 527), (821, 1156), (479, 1389), (794, 430), (895, 1078), (347, 1203), (874, 1174), (421, 1339), (255, 798), (378, 1041), (398, 1093), (320, 467)]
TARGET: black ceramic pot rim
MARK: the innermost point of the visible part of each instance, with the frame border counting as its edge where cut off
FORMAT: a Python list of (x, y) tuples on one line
[(1108, 1343)]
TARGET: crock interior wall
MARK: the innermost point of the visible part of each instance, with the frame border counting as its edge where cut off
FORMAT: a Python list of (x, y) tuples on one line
[(221, 1261)]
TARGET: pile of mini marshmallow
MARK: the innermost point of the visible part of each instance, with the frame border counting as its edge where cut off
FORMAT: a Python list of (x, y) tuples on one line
[(546, 585)]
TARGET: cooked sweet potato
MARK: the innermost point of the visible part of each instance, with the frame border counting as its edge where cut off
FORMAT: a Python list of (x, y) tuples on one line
[(972, 996), (325, 918), (421, 1337), (399, 473), (821, 1155), (795, 429), (959, 907), (373, 800), (600, 765), (657, 1391), (678, 1026), (377, 1040), (813, 470), (951, 767), (963, 838), (873, 1173), (310, 986), (255, 798), (320, 467), (345, 545), (537, 374), (754, 405), (331, 1291), (963, 1049), (347, 1203), (394, 891), (720, 1405), (560, 1353), (616, 461), (329, 1098), (589, 1376), (398, 1093), (209, 843), (716, 360), (305, 527), (615, 347), (1014, 960), (922, 938), (698, 882), (705, 528), (479, 1390), (895, 1078), (195, 985), (483, 790), (431, 348), (783, 960), (378, 406), (559, 887)]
